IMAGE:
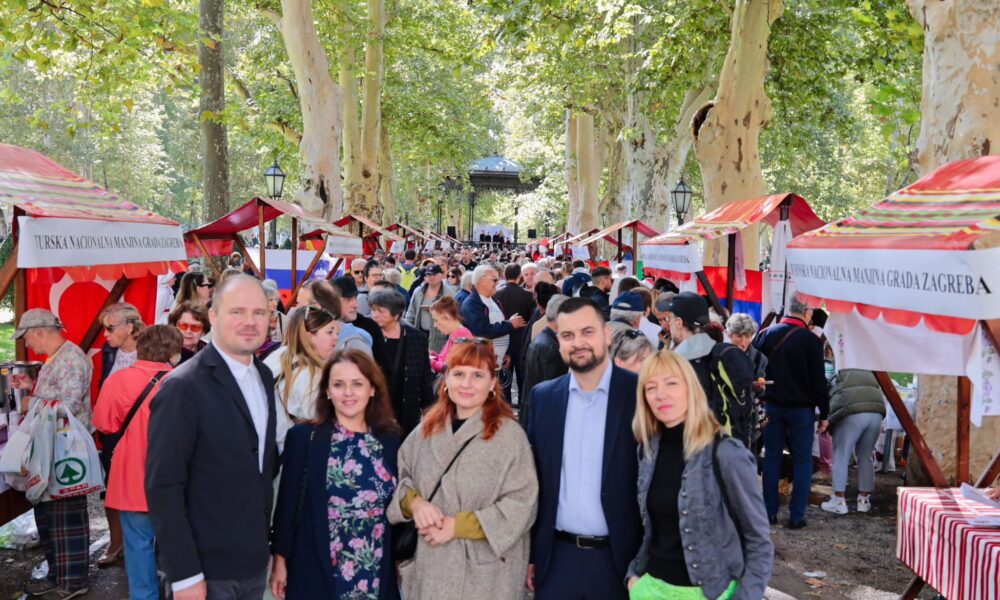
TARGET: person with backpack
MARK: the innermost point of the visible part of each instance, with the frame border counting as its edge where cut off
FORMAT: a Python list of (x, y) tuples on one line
[(725, 371), (795, 365), (408, 269), (723, 548)]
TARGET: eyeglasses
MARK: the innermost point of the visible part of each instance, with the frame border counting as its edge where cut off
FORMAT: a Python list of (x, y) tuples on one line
[(479, 341), (633, 334), (208, 285), (110, 328), (192, 327), (357, 272)]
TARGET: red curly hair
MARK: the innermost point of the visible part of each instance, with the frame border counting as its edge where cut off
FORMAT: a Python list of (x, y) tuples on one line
[(480, 356)]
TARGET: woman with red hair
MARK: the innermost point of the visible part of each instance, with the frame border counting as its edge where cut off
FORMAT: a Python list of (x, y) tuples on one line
[(475, 528)]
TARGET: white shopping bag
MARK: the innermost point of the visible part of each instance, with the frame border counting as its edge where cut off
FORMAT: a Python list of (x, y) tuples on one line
[(76, 466), (12, 457), (38, 461)]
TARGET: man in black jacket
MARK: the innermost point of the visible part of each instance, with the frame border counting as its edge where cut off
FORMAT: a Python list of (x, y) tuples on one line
[(543, 362), (212, 455), (599, 290), (795, 365), (349, 313), (515, 300)]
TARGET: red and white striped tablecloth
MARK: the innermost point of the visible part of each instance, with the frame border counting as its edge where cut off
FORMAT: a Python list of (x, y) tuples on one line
[(935, 540)]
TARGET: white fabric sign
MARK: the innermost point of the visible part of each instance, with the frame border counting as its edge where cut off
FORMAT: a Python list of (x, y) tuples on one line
[(343, 245), (581, 253), (739, 265), (682, 259), (862, 343), (52, 242), (778, 286), (953, 283)]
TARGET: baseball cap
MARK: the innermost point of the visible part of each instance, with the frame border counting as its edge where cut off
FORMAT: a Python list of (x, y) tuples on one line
[(690, 307), (434, 269), (36, 317), (629, 301), (348, 288)]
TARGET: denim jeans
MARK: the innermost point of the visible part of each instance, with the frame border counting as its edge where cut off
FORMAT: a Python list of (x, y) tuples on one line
[(140, 555), (798, 425)]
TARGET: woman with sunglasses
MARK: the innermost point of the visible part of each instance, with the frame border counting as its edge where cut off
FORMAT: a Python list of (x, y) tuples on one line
[(331, 538), (629, 347), (706, 530), (310, 339), (474, 532), (196, 288), (191, 319), (447, 320)]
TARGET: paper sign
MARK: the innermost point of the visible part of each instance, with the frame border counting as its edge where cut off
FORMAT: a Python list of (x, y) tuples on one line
[(581, 253), (680, 258), (343, 245), (53, 242)]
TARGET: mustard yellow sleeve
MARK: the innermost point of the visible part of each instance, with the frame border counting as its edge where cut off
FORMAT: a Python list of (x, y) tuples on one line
[(467, 526), (404, 504)]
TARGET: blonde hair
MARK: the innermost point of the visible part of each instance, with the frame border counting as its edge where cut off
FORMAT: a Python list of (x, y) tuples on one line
[(128, 314), (301, 355), (700, 424)]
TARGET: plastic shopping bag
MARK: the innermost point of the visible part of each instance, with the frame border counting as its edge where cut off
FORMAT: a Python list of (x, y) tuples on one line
[(38, 463), (76, 466)]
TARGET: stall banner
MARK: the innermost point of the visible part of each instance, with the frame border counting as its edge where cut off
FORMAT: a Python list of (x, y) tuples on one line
[(55, 242), (77, 304), (778, 284), (341, 245), (680, 258), (963, 284), (279, 265), (859, 342), (581, 253)]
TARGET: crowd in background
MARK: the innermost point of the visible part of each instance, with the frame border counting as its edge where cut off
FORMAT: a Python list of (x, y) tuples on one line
[(485, 420)]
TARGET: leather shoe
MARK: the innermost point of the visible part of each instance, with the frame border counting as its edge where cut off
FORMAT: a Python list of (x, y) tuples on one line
[(797, 524), (111, 558)]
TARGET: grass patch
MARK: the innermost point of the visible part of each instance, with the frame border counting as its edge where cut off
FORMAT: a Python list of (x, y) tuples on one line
[(902, 379), (6, 344)]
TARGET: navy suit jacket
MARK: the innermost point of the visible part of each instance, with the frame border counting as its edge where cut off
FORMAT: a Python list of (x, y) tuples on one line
[(476, 317), (306, 544), (619, 479)]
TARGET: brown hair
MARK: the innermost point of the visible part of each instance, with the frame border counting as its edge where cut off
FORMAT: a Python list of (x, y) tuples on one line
[(480, 355), (159, 343), (198, 311), (327, 296), (447, 305), (378, 414)]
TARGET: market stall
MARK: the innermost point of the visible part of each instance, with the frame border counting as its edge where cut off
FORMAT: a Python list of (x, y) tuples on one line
[(911, 285), (77, 248), (371, 234), (219, 237), (613, 235), (566, 244), (677, 255), (413, 237)]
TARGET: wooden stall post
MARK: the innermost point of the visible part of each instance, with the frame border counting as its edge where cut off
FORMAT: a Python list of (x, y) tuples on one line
[(731, 272), (246, 254), (930, 465), (635, 251), (8, 272), (295, 251), (260, 226), (95, 326), (20, 305), (333, 269), (208, 257), (964, 414), (619, 249), (308, 272), (712, 296)]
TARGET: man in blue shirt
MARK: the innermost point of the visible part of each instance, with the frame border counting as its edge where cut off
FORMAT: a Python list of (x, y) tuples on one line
[(588, 526)]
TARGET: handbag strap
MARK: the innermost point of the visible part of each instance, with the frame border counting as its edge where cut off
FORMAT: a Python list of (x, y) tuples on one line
[(446, 469), (781, 342), (138, 403), (302, 487)]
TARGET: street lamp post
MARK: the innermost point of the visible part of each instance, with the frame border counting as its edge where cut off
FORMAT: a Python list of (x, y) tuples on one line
[(440, 218), (516, 209), (274, 177), (680, 198)]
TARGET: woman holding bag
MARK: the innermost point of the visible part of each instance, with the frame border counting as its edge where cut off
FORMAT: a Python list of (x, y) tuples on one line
[(123, 408), (706, 530), (474, 463), (330, 537)]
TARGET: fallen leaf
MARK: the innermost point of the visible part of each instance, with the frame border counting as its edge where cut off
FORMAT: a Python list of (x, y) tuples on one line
[(815, 582), (840, 546)]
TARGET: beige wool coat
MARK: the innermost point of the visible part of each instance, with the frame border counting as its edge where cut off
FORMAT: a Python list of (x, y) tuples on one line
[(493, 478)]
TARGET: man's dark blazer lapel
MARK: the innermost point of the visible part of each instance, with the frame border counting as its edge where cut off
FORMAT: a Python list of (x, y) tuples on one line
[(612, 425), (222, 374), (558, 421)]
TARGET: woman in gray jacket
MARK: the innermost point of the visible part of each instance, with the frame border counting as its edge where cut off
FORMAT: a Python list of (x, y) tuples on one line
[(706, 530), (857, 408)]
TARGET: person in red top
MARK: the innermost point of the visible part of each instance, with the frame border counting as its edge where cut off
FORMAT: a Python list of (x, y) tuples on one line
[(445, 312), (159, 348)]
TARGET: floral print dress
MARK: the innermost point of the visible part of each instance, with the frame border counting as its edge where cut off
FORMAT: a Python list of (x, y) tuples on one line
[(359, 488)]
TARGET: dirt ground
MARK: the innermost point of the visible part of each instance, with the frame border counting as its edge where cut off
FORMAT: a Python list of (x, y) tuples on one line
[(855, 551)]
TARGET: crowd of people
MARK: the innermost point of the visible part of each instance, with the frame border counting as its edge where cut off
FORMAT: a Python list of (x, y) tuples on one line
[(461, 425)]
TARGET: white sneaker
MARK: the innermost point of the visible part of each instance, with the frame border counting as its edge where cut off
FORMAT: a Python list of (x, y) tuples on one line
[(836, 504), (864, 503)]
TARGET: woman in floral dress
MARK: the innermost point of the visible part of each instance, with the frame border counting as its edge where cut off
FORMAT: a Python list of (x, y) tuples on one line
[(331, 536)]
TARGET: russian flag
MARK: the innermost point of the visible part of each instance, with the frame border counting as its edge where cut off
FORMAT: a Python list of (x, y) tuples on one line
[(279, 265)]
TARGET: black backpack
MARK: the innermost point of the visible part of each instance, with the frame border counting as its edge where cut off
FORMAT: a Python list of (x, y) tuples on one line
[(726, 375)]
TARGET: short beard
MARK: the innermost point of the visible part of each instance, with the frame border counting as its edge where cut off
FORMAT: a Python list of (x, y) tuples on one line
[(587, 366)]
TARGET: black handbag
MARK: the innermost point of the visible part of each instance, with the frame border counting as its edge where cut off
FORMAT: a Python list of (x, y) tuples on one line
[(404, 535)]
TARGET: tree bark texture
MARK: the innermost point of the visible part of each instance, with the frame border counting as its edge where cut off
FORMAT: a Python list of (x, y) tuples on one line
[(386, 198), (589, 163), (726, 130), (572, 181), (320, 100), (347, 62), (363, 194), (960, 118), (215, 146), (612, 207)]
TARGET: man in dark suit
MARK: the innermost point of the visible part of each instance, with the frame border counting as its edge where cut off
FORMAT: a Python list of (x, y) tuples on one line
[(588, 527), (515, 300), (212, 456)]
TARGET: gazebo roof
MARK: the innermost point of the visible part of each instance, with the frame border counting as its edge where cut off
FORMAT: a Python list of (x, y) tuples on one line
[(495, 172)]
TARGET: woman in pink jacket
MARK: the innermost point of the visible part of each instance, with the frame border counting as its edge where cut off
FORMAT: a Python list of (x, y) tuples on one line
[(159, 348), (445, 312)]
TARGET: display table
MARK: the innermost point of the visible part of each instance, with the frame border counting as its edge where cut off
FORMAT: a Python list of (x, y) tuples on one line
[(936, 541)]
